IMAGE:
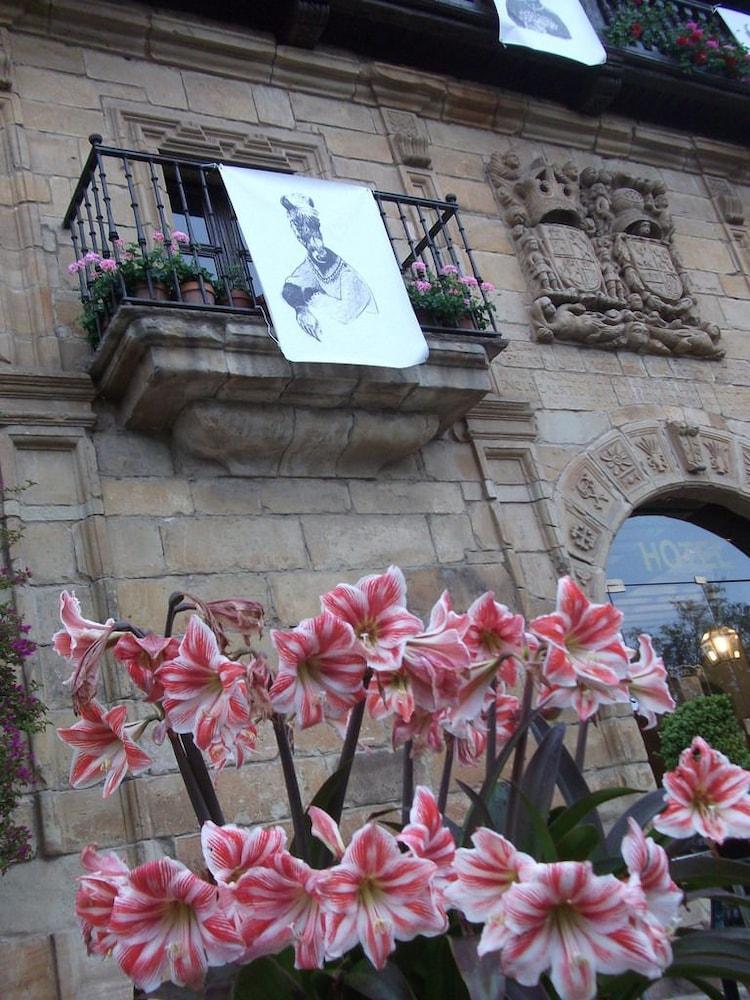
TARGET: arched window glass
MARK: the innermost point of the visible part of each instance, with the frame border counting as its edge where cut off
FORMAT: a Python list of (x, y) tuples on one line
[(651, 578)]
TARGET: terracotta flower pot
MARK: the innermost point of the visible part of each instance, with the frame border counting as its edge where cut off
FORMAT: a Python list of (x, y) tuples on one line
[(190, 292), (157, 292), (240, 299)]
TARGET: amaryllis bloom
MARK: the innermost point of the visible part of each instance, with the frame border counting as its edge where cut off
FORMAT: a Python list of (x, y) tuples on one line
[(425, 835), (377, 896), (320, 670), (278, 905), (423, 730), (483, 876), (648, 865), (572, 923), (647, 683), (233, 614), (375, 607), (168, 926), (706, 794), (142, 657), (82, 643), (585, 697), (495, 632), (95, 897), (229, 851), (103, 750), (584, 645), (204, 692)]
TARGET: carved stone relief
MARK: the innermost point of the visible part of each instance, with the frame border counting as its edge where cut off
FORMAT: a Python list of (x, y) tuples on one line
[(596, 249), (686, 441), (408, 139)]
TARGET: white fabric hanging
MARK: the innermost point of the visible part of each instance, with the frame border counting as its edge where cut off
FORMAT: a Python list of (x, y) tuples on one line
[(738, 23), (560, 27)]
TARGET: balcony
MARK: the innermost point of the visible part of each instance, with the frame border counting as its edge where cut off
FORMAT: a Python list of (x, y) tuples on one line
[(459, 37), (183, 343)]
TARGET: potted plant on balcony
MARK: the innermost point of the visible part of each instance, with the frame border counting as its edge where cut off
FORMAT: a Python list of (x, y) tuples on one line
[(196, 283), (448, 298), (234, 288)]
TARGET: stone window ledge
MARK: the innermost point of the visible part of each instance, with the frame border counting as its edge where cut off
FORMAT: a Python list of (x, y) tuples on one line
[(218, 382)]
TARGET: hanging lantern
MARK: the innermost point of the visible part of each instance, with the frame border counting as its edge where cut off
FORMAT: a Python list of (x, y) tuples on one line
[(721, 644)]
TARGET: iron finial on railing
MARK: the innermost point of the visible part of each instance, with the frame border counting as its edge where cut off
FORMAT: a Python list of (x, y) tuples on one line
[(95, 139)]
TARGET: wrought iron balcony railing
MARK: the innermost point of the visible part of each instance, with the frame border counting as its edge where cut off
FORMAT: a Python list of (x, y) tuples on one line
[(161, 230)]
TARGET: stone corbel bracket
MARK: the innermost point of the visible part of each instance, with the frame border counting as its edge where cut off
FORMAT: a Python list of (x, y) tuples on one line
[(219, 384)]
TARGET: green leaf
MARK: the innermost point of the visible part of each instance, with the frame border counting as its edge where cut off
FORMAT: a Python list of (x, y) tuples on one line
[(388, 983), (705, 871), (269, 977), (627, 986), (483, 976), (578, 844), (428, 965), (570, 780), (708, 989), (730, 898), (571, 817), (538, 784), (535, 840), (642, 811), (478, 804)]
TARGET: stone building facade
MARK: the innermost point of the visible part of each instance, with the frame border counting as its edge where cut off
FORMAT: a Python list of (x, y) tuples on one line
[(527, 471)]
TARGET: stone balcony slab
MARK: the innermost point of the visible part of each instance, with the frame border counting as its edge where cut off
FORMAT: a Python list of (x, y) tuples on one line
[(218, 383)]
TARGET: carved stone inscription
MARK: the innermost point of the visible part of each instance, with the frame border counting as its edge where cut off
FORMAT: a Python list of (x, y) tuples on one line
[(596, 249)]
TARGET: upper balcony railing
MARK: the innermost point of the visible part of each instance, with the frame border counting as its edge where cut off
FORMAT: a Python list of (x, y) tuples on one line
[(155, 229)]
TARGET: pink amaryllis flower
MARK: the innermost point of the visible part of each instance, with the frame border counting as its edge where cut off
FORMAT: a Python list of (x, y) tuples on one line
[(434, 660), (494, 632), (232, 614), (168, 926), (204, 692), (706, 794), (648, 866), (483, 876), (103, 750), (320, 670), (376, 896), (280, 904), (82, 643), (95, 897), (142, 656), (585, 651), (425, 835), (229, 851), (647, 683), (568, 920), (375, 607)]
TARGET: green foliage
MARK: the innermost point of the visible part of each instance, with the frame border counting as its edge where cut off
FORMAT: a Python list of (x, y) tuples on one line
[(712, 718), (449, 297), (21, 714)]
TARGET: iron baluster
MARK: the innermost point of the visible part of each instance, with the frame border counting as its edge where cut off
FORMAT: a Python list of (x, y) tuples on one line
[(186, 212), (140, 232)]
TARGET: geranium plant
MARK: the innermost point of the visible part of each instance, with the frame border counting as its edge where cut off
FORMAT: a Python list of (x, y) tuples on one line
[(448, 297), (513, 896), (696, 46)]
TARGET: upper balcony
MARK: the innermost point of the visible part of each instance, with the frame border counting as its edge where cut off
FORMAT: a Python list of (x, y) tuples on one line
[(183, 344), (652, 81)]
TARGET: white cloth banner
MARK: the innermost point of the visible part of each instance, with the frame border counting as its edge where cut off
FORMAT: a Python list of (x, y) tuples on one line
[(737, 22), (560, 27), (328, 272)]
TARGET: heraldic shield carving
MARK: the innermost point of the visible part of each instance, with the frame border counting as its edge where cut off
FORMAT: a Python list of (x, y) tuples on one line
[(596, 250)]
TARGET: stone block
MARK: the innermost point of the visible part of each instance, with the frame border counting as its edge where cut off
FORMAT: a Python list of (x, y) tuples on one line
[(473, 196), (157, 497), (575, 392), (406, 498), (451, 461), (356, 145), (136, 546), (367, 542), (211, 544), (226, 495), (167, 806), (563, 427), (72, 818), (131, 454), (503, 270), (273, 106), (50, 87), (28, 967), (297, 595), (452, 536), (52, 473), (737, 313), (48, 548), (212, 95), (327, 111), (303, 496), (87, 978), (256, 793), (376, 778), (704, 255), (162, 84)]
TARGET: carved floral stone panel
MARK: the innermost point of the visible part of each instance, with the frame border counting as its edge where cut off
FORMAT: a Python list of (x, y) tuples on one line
[(596, 250)]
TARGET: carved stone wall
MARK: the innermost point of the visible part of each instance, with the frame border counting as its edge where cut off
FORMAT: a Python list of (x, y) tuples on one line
[(596, 249)]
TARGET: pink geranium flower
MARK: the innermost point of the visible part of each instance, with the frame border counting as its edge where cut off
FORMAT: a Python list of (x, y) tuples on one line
[(278, 905), (375, 607), (96, 896), (573, 923), (103, 750), (422, 286), (204, 692), (706, 794), (419, 267), (469, 280), (584, 650), (377, 896), (142, 657), (448, 269), (320, 670), (168, 926), (82, 643), (647, 683)]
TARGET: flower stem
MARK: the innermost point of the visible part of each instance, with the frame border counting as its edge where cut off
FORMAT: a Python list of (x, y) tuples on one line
[(407, 782), (519, 759), (292, 787), (445, 778), (193, 789), (348, 750), (489, 757), (583, 731), (203, 778)]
